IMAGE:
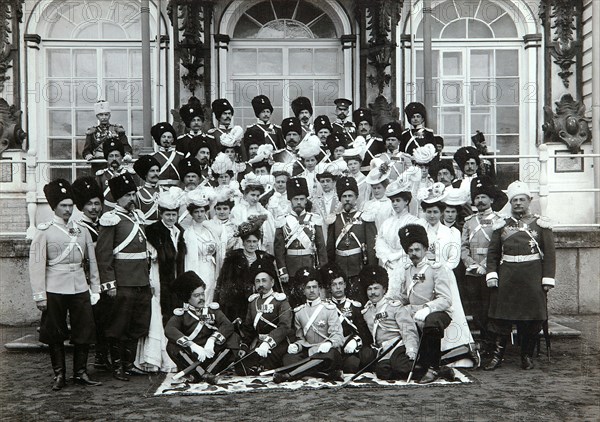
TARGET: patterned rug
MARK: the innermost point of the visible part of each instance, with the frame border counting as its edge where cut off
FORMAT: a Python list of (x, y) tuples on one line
[(229, 384)]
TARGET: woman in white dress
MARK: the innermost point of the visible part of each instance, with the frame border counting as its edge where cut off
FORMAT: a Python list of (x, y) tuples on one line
[(201, 244), (444, 249), (387, 246), (379, 207)]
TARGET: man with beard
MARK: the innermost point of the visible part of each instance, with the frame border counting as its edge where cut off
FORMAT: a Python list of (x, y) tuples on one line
[(363, 119), (263, 109), (298, 240), (58, 283), (123, 265), (355, 330), (192, 115), (343, 124), (350, 239), (223, 111), (167, 156), (322, 127), (303, 111), (476, 235), (418, 135), (148, 169), (113, 153), (292, 133), (267, 325), (88, 199)]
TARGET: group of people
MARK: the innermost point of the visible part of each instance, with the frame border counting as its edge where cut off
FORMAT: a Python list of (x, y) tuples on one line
[(302, 249)]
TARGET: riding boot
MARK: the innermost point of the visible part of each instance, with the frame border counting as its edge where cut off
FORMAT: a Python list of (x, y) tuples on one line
[(527, 346), (101, 360), (80, 358), (130, 352), (497, 354), (57, 357), (116, 352)]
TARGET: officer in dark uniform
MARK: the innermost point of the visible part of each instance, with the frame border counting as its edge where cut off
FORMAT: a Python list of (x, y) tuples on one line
[(303, 111), (192, 115), (267, 325), (123, 266), (343, 124), (299, 240), (263, 110), (292, 133), (148, 169), (113, 153), (363, 119), (223, 111), (356, 332), (199, 332), (59, 284), (323, 129), (351, 240), (418, 135), (167, 156)]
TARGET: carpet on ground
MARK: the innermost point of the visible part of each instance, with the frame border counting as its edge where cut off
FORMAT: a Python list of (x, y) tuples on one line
[(229, 384)]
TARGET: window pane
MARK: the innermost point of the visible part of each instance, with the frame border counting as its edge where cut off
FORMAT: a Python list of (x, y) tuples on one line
[(84, 119), (467, 9), (507, 145), (436, 29), (479, 29), (452, 121), (85, 63), (135, 60), (505, 27), (452, 142), (452, 92), (60, 149), (58, 93), (452, 64), (326, 91), (507, 63), (300, 61), (483, 93), (270, 61), (137, 123), (481, 63), (86, 93), (299, 87), (135, 93), (506, 91), (274, 90), (507, 120), (489, 12), (456, 29), (116, 92), (481, 119), (119, 117), (112, 31), (59, 63), (245, 28), (115, 63), (243, 92), (445, 12), (89, 31), (59, 123), (244, 61), (326, 61)]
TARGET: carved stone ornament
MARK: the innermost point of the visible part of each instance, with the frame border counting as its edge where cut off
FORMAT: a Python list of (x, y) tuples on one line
[(11, 134), (11, 12), (568, 124), (564, 46)]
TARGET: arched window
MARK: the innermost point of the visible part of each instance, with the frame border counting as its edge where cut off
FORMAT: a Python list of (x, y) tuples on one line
[(477, 55), (285, 50)]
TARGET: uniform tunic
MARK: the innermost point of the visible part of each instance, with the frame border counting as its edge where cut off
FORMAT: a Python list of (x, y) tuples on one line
[(168, 159), (272, 133), (96, 135), (187, 143), (521, 255), (374, 147), (326, 205), (148, 202), (346, 128), (414, 138), (102, 178)]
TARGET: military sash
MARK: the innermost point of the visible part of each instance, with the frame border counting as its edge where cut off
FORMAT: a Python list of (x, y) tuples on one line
[(72, 244), (259, 314), (169, 162), (297, 232), (130, 236), (347, 227), (312, 319)]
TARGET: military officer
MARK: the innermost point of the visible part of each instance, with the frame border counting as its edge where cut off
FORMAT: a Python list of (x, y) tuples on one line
[(303, 111), (363, 119), (418, 135), (263, 110), (521, 264), (223, 111), (199, 331), (323, 129), (468, 161), (292, 132), (319, 334), (123, 266), (267, 325), (350, 239), (59, 285), (298, 240), (392, 330), (113, 152), (97, 135), (355, 330), (192, 115), (167, 156), (148, 169), (343, 123), (394, 156)]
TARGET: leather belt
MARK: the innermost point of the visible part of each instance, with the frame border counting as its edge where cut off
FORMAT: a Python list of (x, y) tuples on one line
[(67, 267), (481, 251), (521, 258), (299, 252), (348, 252), (131, 255), (168, 182)]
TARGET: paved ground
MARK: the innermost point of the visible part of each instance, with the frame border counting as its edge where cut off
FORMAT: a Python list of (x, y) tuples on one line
[(567, 389)]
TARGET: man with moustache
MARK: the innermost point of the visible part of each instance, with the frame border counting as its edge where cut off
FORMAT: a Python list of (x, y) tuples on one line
[(223, 111), (59, 284), (88, 199), (418, 135), (350, 239), (303, 111), (113, 153), (363, 119), (267, 325), (299, 240), (393, 155), (292, 134), (263, 109), (167, 156), (355, 330), (192, 115), (148, 169), (476, 235), (123, 265), (343, 124)]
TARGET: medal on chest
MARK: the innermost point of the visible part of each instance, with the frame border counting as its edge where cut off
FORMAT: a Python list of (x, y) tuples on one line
[(418, 278), (267, 308), (381, 316)]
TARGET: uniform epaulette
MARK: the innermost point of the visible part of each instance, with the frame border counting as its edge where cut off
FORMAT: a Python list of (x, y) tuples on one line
[(329, 305), (544, 222), (178, 311), (278, 126), (253, 297), (91, 130), (299, 307), (498, 224), (405, 130), (367, 306), (395, 303), (436, 265), (109, 219), (355, 303), (279, 296), (468, 217), (316, 219), (212, 130), (139, 213), (100, 172), (44, 226), (130, 170), (213, 305), (208, 135), (427, 129)]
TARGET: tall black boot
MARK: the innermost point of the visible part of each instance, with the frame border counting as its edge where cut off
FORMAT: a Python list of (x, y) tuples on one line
[(130, 352), (80, 358), (527, 346), (431, 355), (116, 352), (101, 360), (57, 356), (497, 354)]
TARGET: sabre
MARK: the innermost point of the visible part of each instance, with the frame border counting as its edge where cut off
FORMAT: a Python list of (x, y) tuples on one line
[(412, 369), (236, 362)]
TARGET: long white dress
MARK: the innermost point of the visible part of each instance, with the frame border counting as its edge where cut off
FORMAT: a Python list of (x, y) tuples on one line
[(377, 211), (240, 214), (223, 231), (444, 247), (201, 255), (389, 251)]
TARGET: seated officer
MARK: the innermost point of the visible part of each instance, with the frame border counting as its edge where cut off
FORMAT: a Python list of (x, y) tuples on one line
[(267, 325), (319, 335), (197, 332), (389, 324), (355, 330)]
